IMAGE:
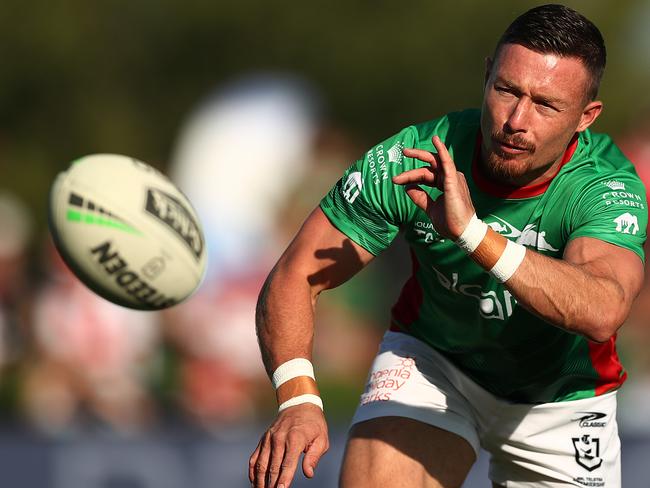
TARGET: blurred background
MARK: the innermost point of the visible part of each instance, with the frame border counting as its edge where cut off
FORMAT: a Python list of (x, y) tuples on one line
[(255, 109)]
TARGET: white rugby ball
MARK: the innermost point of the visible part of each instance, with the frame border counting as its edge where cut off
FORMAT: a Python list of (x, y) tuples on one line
[(127, 232)]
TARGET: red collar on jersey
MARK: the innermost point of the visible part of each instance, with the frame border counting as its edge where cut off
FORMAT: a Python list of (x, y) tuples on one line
[(507, 191)]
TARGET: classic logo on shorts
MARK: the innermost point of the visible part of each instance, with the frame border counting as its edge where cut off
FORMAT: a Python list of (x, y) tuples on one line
[(587, 452), (352, 187), (591, 419), (627, 223)]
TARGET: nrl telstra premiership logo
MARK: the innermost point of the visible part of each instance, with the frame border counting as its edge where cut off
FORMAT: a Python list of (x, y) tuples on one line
[(587, 452)]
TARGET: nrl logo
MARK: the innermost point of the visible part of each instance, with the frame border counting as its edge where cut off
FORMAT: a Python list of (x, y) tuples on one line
[(587, 452)]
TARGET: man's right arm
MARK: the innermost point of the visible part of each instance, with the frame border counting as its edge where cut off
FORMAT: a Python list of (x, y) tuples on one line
[(319, 258)]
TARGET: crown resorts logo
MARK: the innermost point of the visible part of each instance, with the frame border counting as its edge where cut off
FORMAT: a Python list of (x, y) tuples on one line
[(395, 154), (614, 185)]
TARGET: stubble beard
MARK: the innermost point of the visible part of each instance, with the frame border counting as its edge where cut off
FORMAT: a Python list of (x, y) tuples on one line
[(508, 168)]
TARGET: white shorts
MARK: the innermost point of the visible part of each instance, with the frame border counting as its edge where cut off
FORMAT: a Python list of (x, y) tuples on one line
[(572, 443)]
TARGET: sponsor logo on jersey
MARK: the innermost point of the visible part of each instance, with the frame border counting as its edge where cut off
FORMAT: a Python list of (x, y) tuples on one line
[(172, 212), (624, 198), (379, 156), (395, 154), (627, 224), (527, 237), (587, 452), (591, 419), (352, 186), (614, 185), (426, 231), (377, 164), (490, 304)]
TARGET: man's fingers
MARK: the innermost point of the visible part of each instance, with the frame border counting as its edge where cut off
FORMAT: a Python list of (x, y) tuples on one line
[(252, 461), (420, 154), (419, 197), (294, 447), (446, 163), (277, 458), (262, 463), (424, 176), (313, 454)]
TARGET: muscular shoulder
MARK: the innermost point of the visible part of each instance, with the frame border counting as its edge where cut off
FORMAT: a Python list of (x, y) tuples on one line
[(604, 198), (598, 158)]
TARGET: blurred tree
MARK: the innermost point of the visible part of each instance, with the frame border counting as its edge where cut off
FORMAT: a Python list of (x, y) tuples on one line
[(81, 77)]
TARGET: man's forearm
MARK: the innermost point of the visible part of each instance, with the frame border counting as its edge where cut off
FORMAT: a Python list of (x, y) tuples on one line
[(569, 296), (284, 319)]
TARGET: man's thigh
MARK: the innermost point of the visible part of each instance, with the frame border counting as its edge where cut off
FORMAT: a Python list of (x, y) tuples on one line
[(402, 452)]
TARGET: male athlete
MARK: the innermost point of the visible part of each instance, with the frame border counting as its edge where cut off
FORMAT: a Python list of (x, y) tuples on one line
[(526, 233)]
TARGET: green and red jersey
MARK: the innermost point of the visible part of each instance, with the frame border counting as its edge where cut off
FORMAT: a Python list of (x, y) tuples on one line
[(453, 304)]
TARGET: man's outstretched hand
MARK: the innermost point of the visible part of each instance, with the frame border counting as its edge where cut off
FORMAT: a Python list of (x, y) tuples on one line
[(451, 212), (296, 430)]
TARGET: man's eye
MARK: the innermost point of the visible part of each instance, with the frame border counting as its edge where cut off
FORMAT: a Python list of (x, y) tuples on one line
[(547, 107), (503, 90)]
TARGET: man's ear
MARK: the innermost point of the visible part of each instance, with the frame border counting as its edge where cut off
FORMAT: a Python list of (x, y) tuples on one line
[(489, 62), (589, 114)]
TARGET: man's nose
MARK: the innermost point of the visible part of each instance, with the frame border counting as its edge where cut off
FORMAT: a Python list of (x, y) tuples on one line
[(518, 119)]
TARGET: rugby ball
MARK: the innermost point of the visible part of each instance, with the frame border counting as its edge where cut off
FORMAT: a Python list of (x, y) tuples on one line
[(127, 232)]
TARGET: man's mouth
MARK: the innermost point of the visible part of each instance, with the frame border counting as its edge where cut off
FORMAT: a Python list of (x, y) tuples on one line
[(510, 148)]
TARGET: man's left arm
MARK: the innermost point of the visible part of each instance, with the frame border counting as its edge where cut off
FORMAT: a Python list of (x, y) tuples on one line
[(589, 291)]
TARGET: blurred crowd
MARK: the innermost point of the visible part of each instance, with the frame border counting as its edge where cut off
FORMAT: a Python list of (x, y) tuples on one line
[(254, 159)]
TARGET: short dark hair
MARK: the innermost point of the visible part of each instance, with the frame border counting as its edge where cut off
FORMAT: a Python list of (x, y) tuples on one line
[(560, 30)]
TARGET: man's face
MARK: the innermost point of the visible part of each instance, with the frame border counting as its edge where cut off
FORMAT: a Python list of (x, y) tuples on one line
[(533, 104)]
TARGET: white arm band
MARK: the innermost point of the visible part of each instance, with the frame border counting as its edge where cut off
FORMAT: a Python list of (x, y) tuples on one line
[(509, 261), (297, 400), (473, 234), (292, 369)]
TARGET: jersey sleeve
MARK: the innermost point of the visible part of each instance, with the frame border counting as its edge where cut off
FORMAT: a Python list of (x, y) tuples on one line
[(365, 204), (614, 210)]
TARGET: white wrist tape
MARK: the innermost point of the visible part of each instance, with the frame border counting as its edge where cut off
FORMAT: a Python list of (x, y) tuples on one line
[(297, 400), (473, 234), (292, 369), (509, 261)]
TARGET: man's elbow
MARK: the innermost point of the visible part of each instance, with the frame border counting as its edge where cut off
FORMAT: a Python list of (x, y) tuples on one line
[(603, 327)]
